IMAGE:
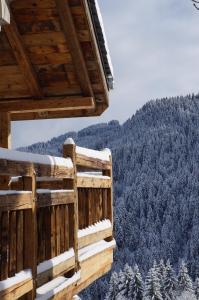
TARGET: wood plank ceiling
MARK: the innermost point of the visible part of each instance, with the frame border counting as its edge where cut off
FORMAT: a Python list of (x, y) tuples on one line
[(50, 66)]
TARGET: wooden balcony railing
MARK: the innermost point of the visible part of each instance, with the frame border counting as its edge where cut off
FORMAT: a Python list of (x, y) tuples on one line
[(55, 220)]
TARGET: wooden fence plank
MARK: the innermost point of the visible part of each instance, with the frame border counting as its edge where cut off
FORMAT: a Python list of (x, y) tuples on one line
[(12, 244), (57, 211), (66, 229), (53, 232), (4, 245), (20, 240)]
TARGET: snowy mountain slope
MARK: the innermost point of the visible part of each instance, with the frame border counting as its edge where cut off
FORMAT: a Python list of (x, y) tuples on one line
[(156, 182)]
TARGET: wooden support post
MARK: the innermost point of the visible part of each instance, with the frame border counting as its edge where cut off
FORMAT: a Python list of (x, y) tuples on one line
[(109, 205), (69, 150), (5, 142), (30, 232)]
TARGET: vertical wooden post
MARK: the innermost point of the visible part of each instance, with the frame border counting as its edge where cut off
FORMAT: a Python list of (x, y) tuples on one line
[(69, 150), (110, 195), (30, 235), (5, 142)]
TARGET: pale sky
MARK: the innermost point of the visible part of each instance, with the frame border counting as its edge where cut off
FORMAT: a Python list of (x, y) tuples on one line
[(154, 47)]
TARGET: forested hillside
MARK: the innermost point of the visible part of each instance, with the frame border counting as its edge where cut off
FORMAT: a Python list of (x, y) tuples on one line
[(156, 183)]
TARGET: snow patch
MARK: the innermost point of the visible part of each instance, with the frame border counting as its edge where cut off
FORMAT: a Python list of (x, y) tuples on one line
[(55, 286), (48, 264), (19, 277), (69, 141), (8, 192), (103, 155), (104, 34), (92, 175), (97, 227), (46, 191), (94, 249)]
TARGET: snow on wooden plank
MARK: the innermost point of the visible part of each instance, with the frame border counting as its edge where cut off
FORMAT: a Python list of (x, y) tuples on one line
[(55, 286), (47, 191), (35, 158), (8, 192), (91, 250), (97, 227), (103, 155), (48, 264), (19, 277), (97, 175), (94, 233)]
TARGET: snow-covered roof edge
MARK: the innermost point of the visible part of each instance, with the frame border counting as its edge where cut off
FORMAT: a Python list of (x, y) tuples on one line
[(102, 41)]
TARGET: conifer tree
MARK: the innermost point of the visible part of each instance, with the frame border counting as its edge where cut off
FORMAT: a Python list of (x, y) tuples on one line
[(136, 286), (121, 283), (113, 287), (152, 285), (128, 280), (197, 288), (184, 281), (170, 283)]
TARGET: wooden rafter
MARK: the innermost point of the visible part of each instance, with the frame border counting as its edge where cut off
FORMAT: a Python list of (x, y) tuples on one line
[(61, 103), (74, 46), (61, 114), (22, 58)]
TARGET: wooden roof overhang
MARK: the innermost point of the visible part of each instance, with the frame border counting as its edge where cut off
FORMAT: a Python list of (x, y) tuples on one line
[(51, 64)]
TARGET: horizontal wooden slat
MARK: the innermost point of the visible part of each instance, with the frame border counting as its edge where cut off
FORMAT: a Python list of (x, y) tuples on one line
[(92, 163), (15, 201), (55, 271), (55, 198), (20, 168), (93, 182), (63, 103), (94, 237), (17, 290)]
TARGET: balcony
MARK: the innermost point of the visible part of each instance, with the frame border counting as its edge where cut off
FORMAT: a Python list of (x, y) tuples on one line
[(56, 222)]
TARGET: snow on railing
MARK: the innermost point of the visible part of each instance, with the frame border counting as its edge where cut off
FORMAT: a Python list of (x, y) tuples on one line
[(35, 158)]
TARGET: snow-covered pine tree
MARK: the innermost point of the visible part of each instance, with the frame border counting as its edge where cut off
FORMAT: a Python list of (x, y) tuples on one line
[(127, 281), (170, 283), (152, 285), (197, 288), (121, 283), (136, 289), (161, 269), (186, 296), (184, 280), (113, 287)]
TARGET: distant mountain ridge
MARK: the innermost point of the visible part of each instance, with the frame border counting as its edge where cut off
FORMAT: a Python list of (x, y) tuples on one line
[(156, 182)]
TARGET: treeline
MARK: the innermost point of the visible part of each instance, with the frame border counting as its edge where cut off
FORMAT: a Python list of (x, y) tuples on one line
[(161, 283)]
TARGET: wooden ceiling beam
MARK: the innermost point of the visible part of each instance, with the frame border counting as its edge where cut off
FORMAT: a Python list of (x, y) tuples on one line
[(74, 46), (61, 103), (22, 58), (62, 114)]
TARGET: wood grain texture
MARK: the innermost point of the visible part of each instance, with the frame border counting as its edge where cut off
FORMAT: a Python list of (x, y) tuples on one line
[(22, 58), (56, 103), (74, 46)]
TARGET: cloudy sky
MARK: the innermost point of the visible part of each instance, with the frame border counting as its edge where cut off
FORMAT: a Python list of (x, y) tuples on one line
[(154, 47)]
